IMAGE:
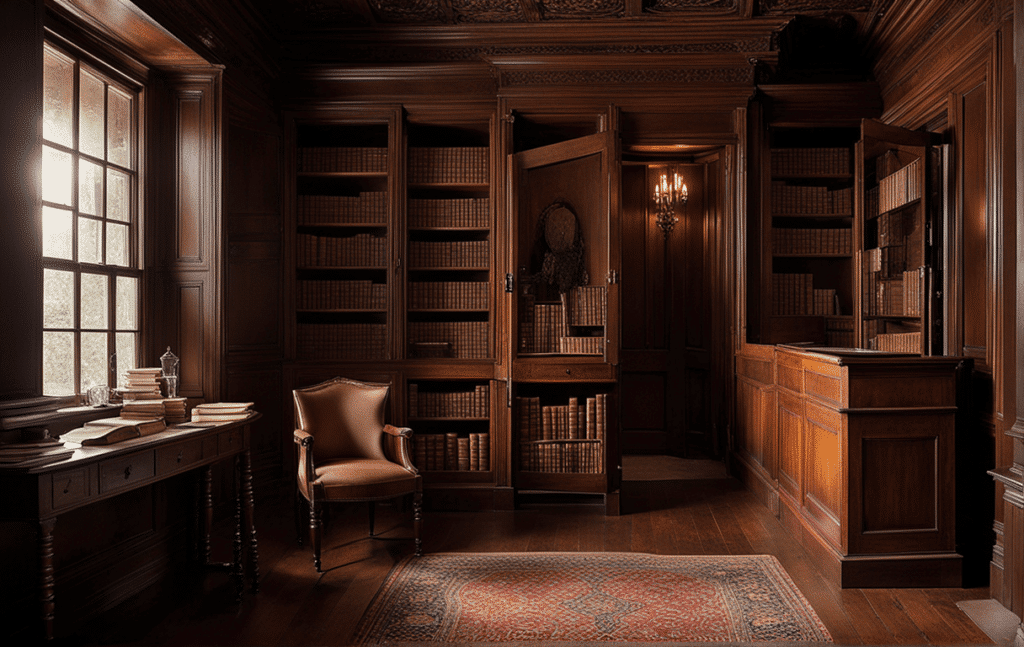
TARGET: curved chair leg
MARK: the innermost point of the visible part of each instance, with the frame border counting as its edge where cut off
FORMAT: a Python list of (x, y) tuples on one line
[(314, 532), (373, 510), (417, 520)]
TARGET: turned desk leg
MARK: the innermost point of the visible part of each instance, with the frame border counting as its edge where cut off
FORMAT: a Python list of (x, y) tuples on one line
[(207, 499), (237, 569), (46, 575), (250, 520)]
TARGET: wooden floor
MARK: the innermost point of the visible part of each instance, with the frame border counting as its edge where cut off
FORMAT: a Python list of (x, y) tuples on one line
[(296, 607)]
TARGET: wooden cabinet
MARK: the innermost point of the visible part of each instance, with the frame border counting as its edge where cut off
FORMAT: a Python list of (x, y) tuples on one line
[(856, 448), (563, 328)]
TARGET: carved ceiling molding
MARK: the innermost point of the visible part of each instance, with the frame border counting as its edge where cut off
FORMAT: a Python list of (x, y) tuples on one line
[(768, 7), (488, 10), (669, 7), (409, 11), (940, 20), (513, 78), (582, 9)]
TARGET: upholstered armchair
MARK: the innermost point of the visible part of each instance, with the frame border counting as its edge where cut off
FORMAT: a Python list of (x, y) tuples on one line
[(347, 453)]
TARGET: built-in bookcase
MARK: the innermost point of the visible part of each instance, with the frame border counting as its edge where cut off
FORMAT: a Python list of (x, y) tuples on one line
[(809, 292), (897, 295), (451, 419), (341, 246), (448, 220)]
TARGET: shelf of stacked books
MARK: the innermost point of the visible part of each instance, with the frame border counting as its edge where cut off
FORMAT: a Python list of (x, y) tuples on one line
[(572, 325), (451, 429), (561, 438), (895, 274), (341, 240), (448, 234)]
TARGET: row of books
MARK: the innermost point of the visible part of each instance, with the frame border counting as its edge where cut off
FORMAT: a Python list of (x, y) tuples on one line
[(452, 452), (541, 325), (348, 159), (577, 419), (341, 341), (581, 345), (839, 332), (902, 187), (466, 339), (449, 212), (900, 342), (890, 229), (448, 295), (794, 294), (889, 261), (587, 305), (812, 241), (799, 200), (367, 207), (901, 297), (341, 295), (457, 164), (810, 161), (562, 456), (449, 253), (361, 250), (448, 404)]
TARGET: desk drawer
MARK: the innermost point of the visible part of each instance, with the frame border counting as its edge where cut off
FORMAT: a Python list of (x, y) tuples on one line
[(69, 487), (229, 442), (178, 457), (119, 473)]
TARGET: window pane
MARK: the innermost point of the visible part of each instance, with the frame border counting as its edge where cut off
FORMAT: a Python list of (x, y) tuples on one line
[(58, 97), (118, 195), (95, 296), (117, 244), (56, 176), (90, 116), (90, 241), (94, 359), (90, 188), (119, 131), (58, 299), (56, 233), (126, 342), (127, 303), (58, 363)]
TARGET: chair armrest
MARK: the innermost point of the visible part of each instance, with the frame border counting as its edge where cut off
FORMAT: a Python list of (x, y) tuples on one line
[(304, 440), (398, 446)]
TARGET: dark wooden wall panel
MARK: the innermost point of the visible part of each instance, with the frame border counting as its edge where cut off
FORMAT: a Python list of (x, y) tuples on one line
[(976, 289), (903, 498), (191, 329), (190, 216)]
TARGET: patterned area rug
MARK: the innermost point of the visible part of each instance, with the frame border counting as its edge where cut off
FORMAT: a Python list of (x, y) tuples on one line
[(584, 597)]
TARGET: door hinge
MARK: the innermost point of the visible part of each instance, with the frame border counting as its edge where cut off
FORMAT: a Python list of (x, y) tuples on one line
[(613, 276), (510, 283)]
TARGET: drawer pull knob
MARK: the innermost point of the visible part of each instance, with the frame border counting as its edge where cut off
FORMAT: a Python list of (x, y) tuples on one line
[(67, 488), (180, 454), (568, 371), (127, 472)]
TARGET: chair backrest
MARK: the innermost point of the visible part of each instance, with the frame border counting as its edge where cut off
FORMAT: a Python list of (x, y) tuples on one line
[(345, 418)]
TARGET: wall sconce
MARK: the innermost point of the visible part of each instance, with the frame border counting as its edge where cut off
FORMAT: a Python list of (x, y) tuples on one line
[(668, 195)]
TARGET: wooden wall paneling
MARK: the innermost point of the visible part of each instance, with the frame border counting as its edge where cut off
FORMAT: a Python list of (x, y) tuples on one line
[(790, 416), (825, 471), (21, 276), (1016, 432), (260, 382)]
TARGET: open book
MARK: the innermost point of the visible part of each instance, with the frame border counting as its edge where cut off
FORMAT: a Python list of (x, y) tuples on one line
[(106, 431)]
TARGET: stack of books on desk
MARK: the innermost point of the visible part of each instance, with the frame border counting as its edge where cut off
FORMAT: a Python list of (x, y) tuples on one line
[(142, 409), (107, 431), (221, 411), (33, 453), (141, 384), (175, 411)]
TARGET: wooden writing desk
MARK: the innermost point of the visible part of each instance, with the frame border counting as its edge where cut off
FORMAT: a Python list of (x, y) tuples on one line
[(40, 494)]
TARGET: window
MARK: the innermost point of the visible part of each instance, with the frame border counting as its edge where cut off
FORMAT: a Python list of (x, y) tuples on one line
[(90, 215)]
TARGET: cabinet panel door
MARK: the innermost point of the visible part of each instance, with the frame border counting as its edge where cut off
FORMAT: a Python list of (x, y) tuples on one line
[(561, 232)]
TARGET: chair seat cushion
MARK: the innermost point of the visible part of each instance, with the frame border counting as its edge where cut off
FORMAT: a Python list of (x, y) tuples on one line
[(363, 478)]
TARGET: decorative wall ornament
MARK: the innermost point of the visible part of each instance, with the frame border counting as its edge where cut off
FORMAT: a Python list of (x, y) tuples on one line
[(488, 10), (637, 76), (558, 248), (409, 11), (678, 6), (582, 8)]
